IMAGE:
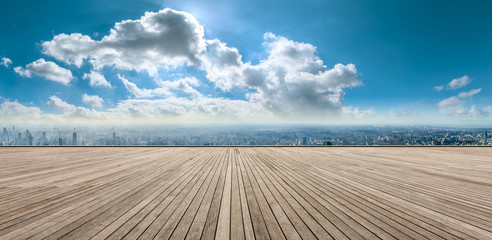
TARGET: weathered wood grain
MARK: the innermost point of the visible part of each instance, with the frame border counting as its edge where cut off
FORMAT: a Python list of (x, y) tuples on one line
[(246, 193)]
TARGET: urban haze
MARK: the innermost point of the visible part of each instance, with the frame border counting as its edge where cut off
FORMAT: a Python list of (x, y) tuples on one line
[(273, 135)]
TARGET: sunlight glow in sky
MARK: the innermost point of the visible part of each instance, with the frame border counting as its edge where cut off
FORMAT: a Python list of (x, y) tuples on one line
[(324, 62)]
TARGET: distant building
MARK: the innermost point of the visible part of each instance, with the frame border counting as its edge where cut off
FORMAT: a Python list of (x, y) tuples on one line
[(60, 141), (114, 138), (28, 139), (304, 141), (74, 138)]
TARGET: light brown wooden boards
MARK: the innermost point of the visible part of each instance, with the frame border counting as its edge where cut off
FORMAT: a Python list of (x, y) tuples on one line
[(246, 193)]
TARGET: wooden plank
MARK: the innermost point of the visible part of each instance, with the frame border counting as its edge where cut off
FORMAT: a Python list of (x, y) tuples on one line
[(247, 224), (210, 227), (237, 225), (223, 224)]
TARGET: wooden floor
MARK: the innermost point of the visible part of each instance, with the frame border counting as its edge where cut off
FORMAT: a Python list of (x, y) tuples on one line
[(246, 193)]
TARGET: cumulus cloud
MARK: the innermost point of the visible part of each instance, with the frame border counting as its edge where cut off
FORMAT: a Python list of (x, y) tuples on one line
[(57, 103), (455, 105), (402, 112), (165, 88), (207, 109), (452, 105), (438, 88), (6, 62), (143, 92), (459, 82), (473, 111), (71, 111), (96, 79), (462, 110), (184, 85), (196, 110), (487, 110), (223, 65), (93, 100), (357, 113), (451, 101), (46, 69), (22, 72), (15, 111), (167, 37), (470, 93), (291, 80)]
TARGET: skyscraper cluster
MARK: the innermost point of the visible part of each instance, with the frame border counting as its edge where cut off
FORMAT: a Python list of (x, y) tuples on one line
[(292, 136)]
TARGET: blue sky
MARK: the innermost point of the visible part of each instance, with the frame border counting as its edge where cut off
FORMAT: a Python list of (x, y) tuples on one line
[(392, 56)]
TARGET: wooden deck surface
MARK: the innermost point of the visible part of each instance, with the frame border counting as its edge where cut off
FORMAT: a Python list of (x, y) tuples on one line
[(246, 193)]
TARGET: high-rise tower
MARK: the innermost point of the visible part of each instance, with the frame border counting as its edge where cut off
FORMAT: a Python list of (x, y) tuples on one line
[(74, 138)]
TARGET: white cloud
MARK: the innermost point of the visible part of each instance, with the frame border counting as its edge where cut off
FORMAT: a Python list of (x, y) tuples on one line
[(474, 112), (22, 72), (438, 88), (455, 105), (402, 112), (451, 101), (46, 69), (459, 82), (185, 85), (223, 65), (456, 110), (487, 110), (144, 92), (93, 100), (470, 93), (15, 111), (357, 112), (6, 62), (167, 37), (57, 103), (185, 110), (72, 112), (96, 79), (291, 80)]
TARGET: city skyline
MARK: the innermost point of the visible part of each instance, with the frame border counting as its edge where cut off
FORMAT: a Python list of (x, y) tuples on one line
[(250, 135), (187, 62)]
